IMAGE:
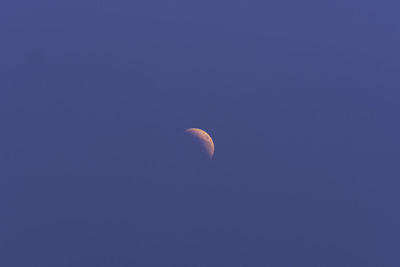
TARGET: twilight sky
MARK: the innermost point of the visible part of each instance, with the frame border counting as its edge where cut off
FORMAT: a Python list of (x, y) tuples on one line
[(300, 97)]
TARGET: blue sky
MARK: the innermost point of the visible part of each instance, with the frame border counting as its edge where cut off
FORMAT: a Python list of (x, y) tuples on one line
[(301, 99)]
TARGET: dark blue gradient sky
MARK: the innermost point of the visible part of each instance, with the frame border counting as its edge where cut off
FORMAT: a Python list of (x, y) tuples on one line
[(301, 98)]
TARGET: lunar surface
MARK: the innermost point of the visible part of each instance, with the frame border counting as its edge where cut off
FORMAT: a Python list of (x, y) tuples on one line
[(204, 138)]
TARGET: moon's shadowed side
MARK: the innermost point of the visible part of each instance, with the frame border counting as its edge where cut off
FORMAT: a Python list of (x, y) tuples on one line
[(193, 150)]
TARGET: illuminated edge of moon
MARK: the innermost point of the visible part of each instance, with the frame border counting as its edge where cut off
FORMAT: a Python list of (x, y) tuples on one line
[(204, 138)]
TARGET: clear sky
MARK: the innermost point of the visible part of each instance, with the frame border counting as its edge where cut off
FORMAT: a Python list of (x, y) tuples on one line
[(300, 97)]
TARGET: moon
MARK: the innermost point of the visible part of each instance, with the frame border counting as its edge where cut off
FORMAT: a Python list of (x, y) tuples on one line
[(204, 138)]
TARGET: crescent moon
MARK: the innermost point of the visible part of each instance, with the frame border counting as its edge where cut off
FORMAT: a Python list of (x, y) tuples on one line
[(204, 138)]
